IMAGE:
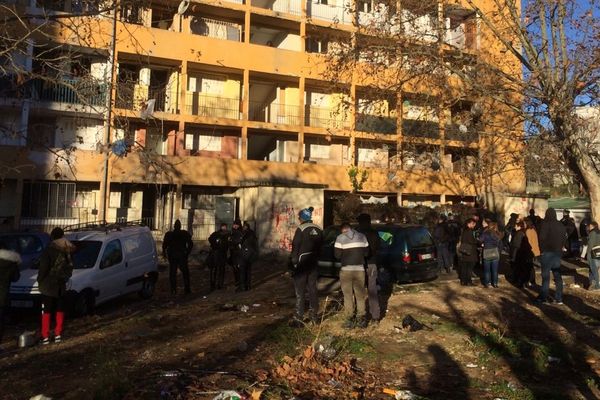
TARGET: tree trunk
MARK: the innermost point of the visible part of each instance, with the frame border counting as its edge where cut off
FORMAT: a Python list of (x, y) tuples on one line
[(592, 181)]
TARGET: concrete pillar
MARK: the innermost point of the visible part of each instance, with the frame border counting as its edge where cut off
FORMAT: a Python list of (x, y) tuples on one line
[(245, 113), (183, 86), (443, 198), (301, 89)]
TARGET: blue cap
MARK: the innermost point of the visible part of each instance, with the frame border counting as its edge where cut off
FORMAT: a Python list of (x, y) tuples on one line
[(306, 214)]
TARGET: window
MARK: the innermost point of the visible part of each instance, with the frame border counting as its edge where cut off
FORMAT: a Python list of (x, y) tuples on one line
[(202, 142), (316, 45), (48, 199), (199, 201), (113, 254), (86, 253), (365, 6)]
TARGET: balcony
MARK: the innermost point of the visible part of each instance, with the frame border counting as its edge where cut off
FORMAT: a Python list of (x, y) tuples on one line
[(328, 12), (375, 123), (207, 105), (323, 117), (216, 29), (275, 113), (71, 91), (461, 133), (136, 97), (293, 7), (422, 129)]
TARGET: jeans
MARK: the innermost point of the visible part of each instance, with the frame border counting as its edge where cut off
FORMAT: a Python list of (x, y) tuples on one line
[(443, 254), (303, 281), (594, 265), (490, 267), (374, 308), (180, 263), (551, 263), (353, 288)]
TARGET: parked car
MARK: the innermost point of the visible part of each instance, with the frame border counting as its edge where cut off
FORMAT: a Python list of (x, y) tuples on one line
[(406, 252), (108, 263), (28, 244)]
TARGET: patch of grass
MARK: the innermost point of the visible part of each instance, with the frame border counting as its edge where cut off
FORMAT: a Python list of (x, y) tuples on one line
[(445, 326), (109, 380), (356, 347), (509, 391), (285, 340)]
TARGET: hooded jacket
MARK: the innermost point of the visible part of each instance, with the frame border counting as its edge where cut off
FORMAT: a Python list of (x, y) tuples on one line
[(553, 233), (306, 246), (9, 272), (58, 250), (352, 248)]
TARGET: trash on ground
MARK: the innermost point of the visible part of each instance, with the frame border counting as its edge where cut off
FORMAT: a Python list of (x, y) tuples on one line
[(575, 285), (409, 322), (334, 383), (244, 308), (255, 305), (228, 395), (435, 317), (402, 394), (471, 365), (28, 339), (40, 397), (553, 359), (170, 374), (325, 346), (228, 307)]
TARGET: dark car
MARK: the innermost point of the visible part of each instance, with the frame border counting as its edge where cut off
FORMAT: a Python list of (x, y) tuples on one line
[(28, 244), (406, 252)]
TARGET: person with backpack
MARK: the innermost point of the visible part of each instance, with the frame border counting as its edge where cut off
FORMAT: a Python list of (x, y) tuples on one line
[(306, 247), (351, 248), (441, 236), (177, 246), (55, 270), (491, 239), (217, 258), (364, 227), (248, 255), (9, 272)]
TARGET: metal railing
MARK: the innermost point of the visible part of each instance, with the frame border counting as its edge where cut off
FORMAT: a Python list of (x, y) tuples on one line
[(293, 7), (134, 97), (375, 123), (216, 29), (71, 91), (207, 105), (424, 129), (322, 117), (328, 12), (274, 113)]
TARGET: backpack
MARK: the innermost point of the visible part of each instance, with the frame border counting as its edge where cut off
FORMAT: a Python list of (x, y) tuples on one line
[(62, 267)]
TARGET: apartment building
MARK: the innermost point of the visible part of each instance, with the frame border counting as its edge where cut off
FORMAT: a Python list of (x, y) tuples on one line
[(218, 109)]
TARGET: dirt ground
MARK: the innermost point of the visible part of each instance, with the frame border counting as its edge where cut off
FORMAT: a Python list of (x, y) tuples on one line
[(480, 344)]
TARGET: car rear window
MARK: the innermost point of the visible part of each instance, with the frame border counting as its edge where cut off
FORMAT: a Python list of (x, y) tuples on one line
[(86, 253), (417, 237)]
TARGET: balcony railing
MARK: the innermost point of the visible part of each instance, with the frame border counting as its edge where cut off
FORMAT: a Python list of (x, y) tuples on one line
[(424, 129), (293, 7), (136, 97), (321, 117), (375, 123), (328, 12), (206, 105), (216, 29), (71, 91), (464, 134), (275, 113)]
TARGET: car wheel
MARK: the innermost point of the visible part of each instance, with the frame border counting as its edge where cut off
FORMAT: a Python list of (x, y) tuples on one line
[(83, 304), (148, 286)]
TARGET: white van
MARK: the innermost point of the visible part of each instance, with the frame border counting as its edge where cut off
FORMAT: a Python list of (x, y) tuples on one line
[(108, 263)]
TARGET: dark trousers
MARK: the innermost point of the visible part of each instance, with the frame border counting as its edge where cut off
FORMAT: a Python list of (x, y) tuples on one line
[(2, 316), (182, 265), (551, 263), (303, 281), (374, 308), (524, 272), (443, 257), (217, 270), (466, 271), (245, 274)]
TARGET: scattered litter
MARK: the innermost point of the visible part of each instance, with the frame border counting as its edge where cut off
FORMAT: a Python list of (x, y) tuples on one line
[(228, 395), (325, 346), (471, 365), (244, 308), (170, 374), (40, 397), (435, 317), (402, 394), (499, 398), (27, 339), (255, 305), (409, 322), (553, 359), (397, 329), (335, 383), (576, 286), (228, 307), (204, 297)]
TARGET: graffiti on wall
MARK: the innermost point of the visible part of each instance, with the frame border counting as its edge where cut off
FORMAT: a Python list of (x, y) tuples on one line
[(284, 219)]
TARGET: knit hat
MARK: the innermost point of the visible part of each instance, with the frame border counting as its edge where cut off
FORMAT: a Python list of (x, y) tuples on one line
[(306, 214)]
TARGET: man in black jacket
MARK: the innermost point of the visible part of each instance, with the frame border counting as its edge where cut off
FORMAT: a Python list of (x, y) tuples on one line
[(177, 246), (364, 227), (552, 238), (248, 254), (306, 247), (467, 253), (9, 272), (441, 236), (219, 243), (235, 250)]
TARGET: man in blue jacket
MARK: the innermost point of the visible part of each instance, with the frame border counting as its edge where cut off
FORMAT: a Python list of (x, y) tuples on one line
[(352, 248)]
